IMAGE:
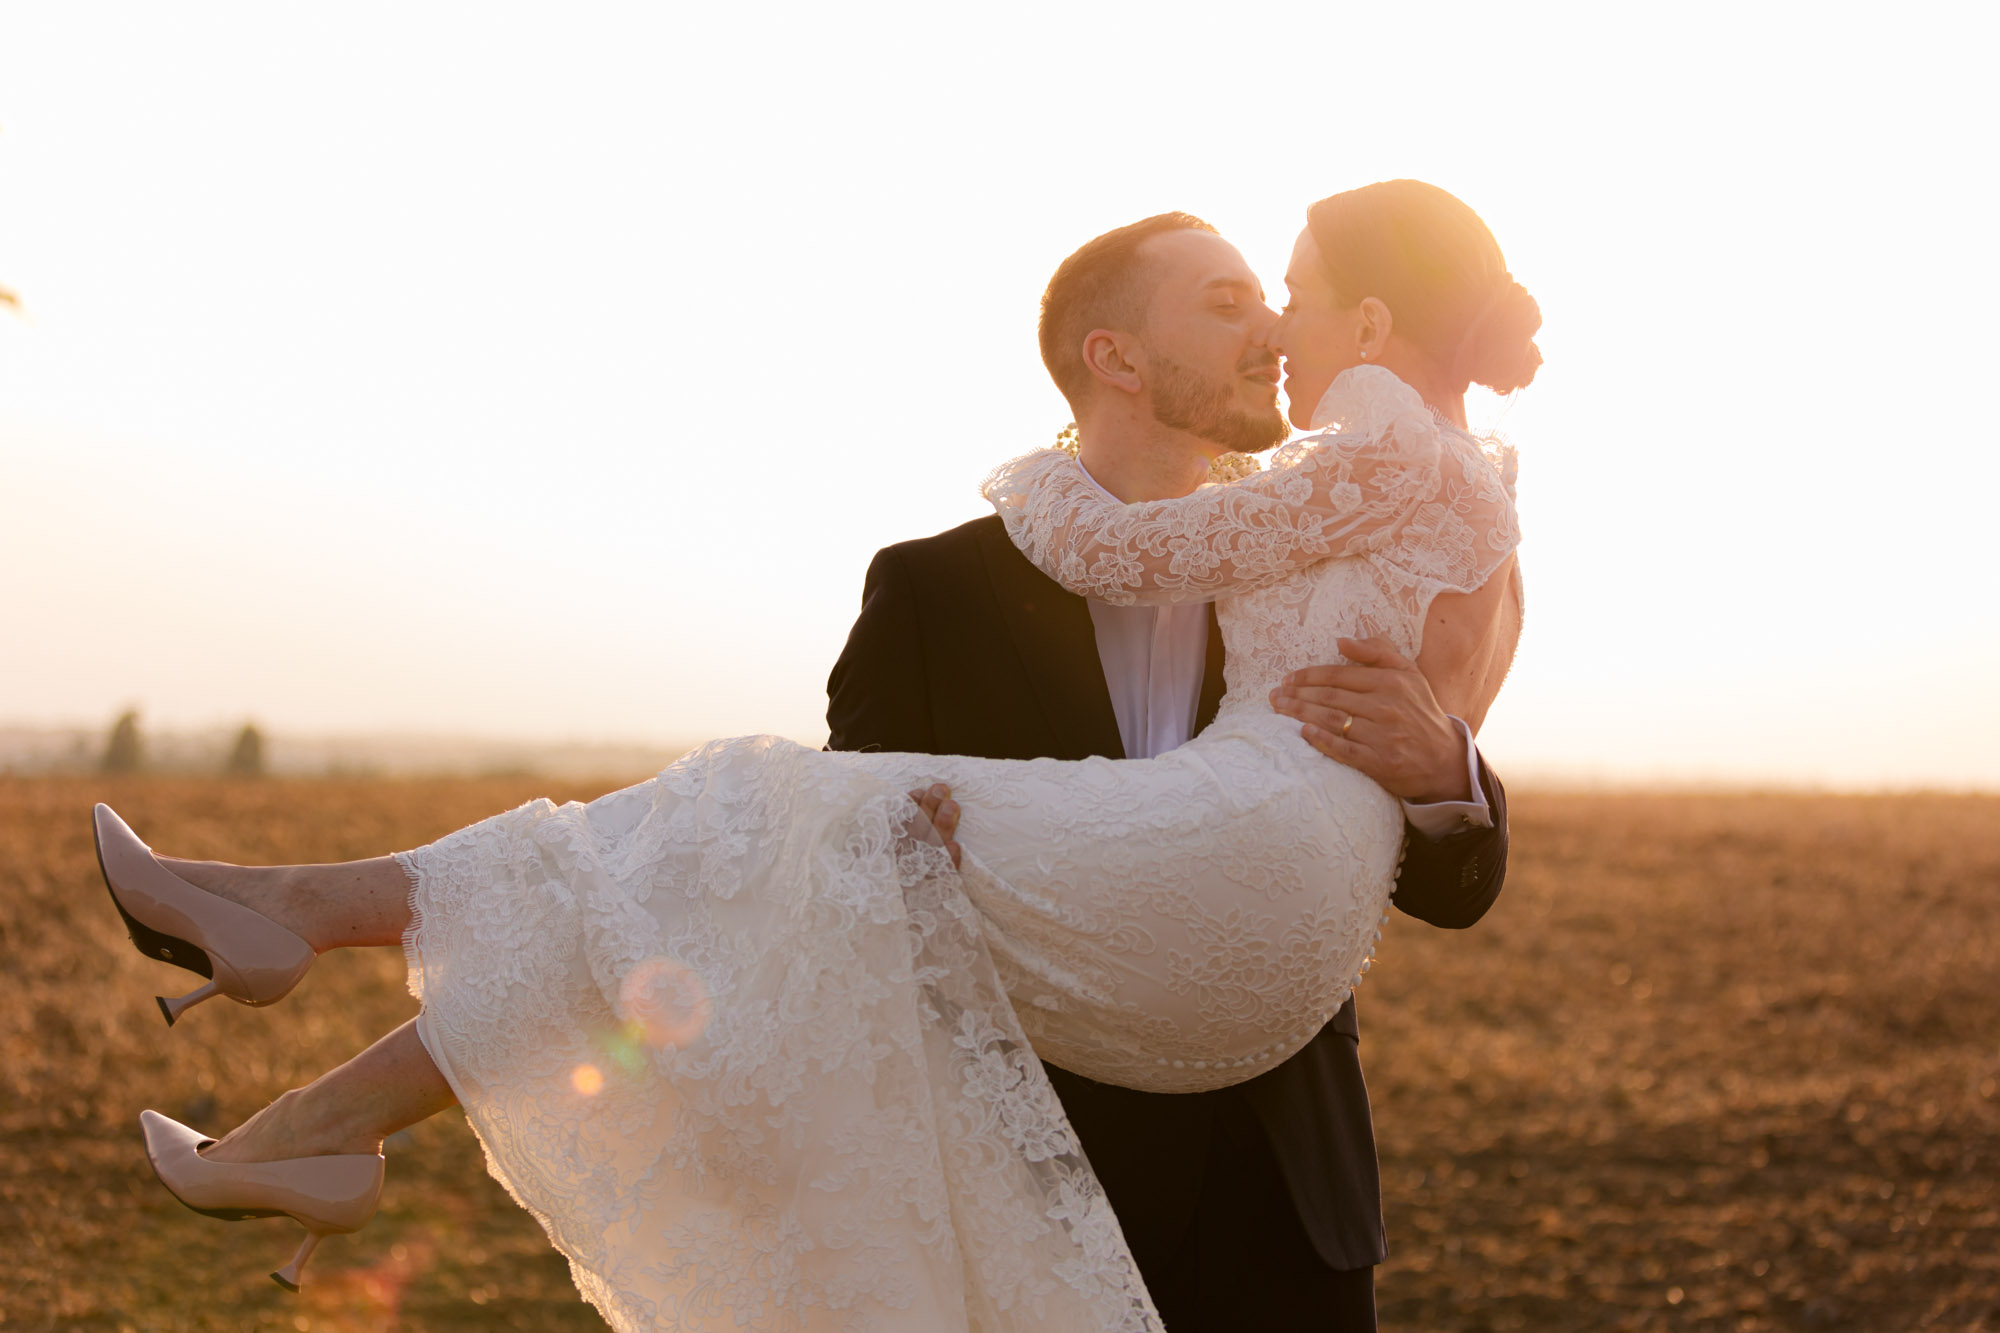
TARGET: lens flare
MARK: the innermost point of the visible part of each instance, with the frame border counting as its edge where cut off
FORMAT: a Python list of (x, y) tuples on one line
[(667, 1002), (587, 1079)]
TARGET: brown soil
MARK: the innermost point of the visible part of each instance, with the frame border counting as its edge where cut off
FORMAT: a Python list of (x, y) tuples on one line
[(1713, 1062)]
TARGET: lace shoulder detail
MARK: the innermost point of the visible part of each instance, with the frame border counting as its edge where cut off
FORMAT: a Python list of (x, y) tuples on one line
[(1387, 481)]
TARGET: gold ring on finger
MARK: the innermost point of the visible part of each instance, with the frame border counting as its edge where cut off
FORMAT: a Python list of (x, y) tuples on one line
[(1345, 725)]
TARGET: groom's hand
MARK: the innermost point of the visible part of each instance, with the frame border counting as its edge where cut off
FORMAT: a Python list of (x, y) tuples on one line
[(937, 806), (1397, 735)]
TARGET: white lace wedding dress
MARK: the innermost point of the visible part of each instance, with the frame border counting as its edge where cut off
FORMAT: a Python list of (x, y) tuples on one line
[(758, 1058)]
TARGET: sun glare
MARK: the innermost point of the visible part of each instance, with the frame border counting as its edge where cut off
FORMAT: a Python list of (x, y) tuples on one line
[(666, 1002), (313, 377)]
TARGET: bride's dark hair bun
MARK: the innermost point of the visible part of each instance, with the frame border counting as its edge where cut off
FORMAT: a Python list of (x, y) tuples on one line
[(1498, 348), (1431, 260)]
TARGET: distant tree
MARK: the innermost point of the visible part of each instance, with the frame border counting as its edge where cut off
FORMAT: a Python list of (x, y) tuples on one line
[(124, 751), (246, 757)]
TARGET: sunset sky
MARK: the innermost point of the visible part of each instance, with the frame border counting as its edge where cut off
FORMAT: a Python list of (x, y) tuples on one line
[(431, 368)]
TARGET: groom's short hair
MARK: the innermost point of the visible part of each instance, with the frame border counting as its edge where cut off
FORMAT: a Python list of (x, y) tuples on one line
[(1102, 286)]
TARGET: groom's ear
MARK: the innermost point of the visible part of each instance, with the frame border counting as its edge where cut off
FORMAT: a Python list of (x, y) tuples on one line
[(1114, 359)]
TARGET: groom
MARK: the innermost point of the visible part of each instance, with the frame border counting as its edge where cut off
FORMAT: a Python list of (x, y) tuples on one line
[(1255, 1206)]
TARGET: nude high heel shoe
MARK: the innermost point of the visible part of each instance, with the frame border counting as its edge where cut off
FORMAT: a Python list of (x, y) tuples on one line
[(328, 1196), (244, 954)]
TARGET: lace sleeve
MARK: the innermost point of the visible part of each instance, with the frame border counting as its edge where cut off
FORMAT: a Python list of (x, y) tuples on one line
[(1386, 483)]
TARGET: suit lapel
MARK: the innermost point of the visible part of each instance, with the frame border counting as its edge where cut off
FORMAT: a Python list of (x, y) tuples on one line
[(1057, 643)]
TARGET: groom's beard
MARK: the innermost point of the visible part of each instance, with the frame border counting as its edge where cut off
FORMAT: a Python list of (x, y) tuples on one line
[(1186, 400)]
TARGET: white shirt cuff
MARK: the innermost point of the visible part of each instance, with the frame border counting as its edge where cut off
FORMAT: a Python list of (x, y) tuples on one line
[(1440, 819)]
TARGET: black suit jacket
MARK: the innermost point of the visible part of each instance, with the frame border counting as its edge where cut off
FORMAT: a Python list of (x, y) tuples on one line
[(964, 647)]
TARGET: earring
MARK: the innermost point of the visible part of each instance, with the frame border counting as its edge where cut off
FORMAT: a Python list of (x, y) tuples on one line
[(1364, 354)]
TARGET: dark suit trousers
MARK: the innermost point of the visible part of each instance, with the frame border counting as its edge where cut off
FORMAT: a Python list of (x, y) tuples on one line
[(1226, 1276), (1204, 1205)]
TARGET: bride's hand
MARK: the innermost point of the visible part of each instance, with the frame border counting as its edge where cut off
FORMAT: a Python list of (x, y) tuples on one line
[(937, 807)]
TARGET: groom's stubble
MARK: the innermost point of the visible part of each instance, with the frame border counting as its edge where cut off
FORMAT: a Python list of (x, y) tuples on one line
[(1184, 399)]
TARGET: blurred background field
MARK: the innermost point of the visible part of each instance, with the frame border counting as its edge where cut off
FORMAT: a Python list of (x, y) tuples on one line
[(1713, 1062)]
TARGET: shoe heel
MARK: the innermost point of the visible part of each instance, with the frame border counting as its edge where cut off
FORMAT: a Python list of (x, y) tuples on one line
[(174, 1006), (292, 1273)]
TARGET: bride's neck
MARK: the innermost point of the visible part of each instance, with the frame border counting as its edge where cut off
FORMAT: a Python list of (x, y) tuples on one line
[(1418, 371)]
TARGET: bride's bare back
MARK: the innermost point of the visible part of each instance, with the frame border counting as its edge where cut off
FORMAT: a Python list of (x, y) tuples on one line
[(1469, 643)]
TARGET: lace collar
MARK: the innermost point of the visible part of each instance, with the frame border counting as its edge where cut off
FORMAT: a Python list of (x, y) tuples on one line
[(1364, 397)]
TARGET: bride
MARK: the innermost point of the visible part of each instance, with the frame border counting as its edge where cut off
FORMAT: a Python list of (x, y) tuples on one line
[(743, 1038)]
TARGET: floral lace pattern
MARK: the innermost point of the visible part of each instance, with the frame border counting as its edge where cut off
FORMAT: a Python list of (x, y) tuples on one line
[(732, 1037), (1389, 482), (757, 1057)]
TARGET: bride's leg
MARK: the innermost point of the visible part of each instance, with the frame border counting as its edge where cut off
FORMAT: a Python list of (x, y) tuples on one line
[(359, 904), (344, 905), (390, 1086), (394, 1083)]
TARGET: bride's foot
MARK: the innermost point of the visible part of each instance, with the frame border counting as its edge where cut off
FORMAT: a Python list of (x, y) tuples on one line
[(273, 892), (315, 1153), (243, 953), (327, 1194), (347, 1110), (292, 1126)]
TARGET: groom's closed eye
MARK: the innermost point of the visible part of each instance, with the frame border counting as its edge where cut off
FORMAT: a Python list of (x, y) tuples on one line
[(1229, 294)]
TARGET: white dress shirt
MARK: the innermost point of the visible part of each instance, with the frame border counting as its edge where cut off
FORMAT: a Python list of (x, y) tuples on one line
[(1154, 658)]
